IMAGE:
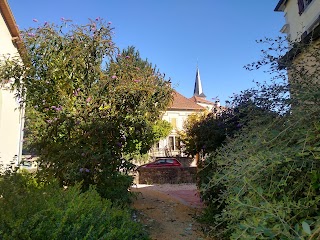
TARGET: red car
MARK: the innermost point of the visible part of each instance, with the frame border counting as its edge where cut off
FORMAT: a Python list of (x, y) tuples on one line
[(163, 162)]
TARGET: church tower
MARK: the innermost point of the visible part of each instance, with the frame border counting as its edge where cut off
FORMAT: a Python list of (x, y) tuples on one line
[(198, 92), (199, 97)]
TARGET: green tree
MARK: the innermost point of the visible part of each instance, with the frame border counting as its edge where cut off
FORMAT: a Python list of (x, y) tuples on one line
[(143, 96), (205, 132), (86, 106)]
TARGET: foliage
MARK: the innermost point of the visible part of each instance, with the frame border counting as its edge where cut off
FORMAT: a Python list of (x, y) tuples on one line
[(31, 209), (87, 106), (201, 133), (189, 133), (142, 95), (205, 132), (264, 182)]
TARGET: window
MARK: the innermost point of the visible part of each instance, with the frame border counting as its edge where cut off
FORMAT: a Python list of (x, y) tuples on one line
[(171, 142), (174, 143), (174, 122), (302, 4), (161, 162)]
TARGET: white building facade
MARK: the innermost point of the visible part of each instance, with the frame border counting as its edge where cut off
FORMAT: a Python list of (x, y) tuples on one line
[(176, 115), (302, 17), (11, 123)]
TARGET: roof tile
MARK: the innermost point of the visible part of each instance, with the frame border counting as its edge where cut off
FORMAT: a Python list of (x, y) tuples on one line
[(182, 103)]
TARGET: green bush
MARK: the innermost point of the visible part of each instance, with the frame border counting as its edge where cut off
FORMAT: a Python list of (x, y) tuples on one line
[(264, 183), (87, 104), (34, 210)]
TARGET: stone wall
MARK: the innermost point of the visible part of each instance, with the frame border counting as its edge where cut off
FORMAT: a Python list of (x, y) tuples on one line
[(171, 175)]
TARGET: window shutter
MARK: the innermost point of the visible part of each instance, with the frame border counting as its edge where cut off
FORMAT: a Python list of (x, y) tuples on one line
[(301, 6), (174, 122)]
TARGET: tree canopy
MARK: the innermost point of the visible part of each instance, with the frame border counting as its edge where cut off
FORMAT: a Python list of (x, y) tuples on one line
[(87, 104)]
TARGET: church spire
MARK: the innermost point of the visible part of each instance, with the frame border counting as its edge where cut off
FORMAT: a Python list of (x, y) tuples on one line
[(198, 92)]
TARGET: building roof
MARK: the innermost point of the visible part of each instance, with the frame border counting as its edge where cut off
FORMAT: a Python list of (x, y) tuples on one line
[(11, 24), (280, 6), (182, 103), (198, 86), (202, 100)]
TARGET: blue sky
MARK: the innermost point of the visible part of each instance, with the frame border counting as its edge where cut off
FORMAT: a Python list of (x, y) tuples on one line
[(177, 34)]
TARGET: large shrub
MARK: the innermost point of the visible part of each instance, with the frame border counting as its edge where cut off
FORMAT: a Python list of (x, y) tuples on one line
[(34, 210), (264, 182)]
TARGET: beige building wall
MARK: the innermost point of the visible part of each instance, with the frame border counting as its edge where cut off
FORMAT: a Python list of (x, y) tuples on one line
[(9, 114), (308, 61), (303, 63), (303, 73), (297, 24)]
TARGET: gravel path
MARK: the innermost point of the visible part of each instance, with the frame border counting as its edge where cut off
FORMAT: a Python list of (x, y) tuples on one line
[(168, 211), (187, 194)]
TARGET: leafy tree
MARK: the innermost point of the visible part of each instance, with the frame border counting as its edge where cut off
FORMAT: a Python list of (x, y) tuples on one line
[(143, 95), (205, 132), (189, 133), (86, 105)]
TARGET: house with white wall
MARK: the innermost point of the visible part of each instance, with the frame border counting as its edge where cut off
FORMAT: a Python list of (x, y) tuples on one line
[(11, 119), (302, 18), (302, 26), (176, 114)]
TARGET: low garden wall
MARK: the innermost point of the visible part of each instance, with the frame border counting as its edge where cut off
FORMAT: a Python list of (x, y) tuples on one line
[(173, 175)]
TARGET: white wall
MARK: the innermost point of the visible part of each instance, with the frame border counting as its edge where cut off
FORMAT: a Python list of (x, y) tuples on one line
[(298, 24), (180, 116), (9, 115)]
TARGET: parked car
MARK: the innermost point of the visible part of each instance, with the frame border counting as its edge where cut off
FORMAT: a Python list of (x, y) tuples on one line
[(163, 162)]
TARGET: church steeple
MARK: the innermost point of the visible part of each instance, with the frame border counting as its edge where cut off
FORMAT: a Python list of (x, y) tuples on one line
[(198, 92)]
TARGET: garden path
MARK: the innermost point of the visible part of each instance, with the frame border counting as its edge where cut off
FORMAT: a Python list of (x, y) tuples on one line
[(169, 212)]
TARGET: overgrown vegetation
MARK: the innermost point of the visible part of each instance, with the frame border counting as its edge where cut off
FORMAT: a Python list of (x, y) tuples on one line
[(31, 209), (263, 182), (90, 109), (205, 132)]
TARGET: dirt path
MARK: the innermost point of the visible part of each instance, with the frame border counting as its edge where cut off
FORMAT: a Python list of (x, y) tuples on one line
[(168, 211)]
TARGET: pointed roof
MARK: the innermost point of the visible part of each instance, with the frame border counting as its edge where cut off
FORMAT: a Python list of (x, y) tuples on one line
[(11, 24), (180, 102), (198, 92)]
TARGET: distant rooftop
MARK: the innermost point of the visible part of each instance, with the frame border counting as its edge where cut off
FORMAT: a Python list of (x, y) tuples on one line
[(201, 100), (182, 103)]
